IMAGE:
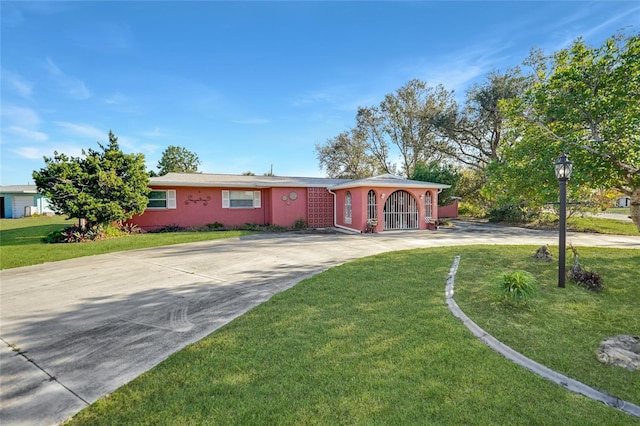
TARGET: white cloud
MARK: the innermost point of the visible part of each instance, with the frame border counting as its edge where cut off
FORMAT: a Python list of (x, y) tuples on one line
[(23, 133), (17, 83), (83, 130), (36, 153), (73, 86), (30, 152), (24, 117)]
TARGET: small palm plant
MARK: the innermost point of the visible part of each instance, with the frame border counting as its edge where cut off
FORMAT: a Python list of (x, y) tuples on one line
[(517, 286)]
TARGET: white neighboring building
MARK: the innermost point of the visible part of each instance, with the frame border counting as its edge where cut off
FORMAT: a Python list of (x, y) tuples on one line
[(22, 200), (623, 201)]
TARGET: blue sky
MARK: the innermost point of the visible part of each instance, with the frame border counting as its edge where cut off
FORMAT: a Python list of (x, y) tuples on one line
[(248, 85)]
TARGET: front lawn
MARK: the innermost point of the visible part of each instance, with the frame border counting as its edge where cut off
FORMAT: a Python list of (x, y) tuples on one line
[(372, 342), (601, 226), (21, 241)]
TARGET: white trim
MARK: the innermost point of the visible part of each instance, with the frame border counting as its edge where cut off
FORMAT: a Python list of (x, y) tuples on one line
[(348, 208), (226, 199), (171, 199), (256, 201)]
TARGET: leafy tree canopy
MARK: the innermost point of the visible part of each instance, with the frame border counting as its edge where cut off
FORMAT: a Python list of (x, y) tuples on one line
[(475, 134), (438, 173), (101, 186), (585, 101), (389, 138), (177, 159)]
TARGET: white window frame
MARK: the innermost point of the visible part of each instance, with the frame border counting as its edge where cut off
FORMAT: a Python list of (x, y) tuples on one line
[(428, 206), (348, 208), (169, 200), (372, 205), (227, 199)]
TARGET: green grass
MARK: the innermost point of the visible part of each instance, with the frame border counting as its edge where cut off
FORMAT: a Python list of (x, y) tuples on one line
[(620, 210), (601, 226), (21, 241), (372, 342)]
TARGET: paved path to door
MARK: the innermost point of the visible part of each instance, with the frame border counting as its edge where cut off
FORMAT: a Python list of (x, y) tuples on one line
[(76, 330)]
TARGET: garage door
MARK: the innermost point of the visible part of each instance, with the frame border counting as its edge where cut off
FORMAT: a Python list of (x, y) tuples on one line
[(19, 203)]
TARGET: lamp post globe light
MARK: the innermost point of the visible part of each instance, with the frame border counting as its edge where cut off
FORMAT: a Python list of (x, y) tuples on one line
[(563, 168)]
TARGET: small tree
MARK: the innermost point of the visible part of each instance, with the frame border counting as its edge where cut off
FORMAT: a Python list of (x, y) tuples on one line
[(177, 159), (100, 187)]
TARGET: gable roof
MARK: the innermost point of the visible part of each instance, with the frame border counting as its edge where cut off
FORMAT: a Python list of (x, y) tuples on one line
[(19, 189), (243, 181), (389, 180), (240, 181)]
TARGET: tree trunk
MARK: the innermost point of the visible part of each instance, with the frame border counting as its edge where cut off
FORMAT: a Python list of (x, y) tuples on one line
[(635, 207)]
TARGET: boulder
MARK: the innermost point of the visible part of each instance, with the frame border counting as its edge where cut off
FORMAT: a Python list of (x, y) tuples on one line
[(622, 350), (543, 253)]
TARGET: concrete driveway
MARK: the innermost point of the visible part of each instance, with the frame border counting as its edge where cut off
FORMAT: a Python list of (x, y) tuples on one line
[(76, 330)]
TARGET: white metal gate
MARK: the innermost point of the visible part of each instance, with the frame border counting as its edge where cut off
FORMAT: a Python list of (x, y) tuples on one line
[(401, 211)]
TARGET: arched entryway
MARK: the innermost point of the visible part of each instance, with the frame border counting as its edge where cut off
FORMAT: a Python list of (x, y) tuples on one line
[(401, 211)]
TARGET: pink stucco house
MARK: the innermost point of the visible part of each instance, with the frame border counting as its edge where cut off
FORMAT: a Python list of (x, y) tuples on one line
[(375, 204)]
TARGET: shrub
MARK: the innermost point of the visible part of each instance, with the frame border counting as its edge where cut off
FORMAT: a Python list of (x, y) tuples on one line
[(76, 234), (167, 228), (300, 224), (216, 226), (516, 286), (130, 228), (472, 210), (509, 212), (590, 280)]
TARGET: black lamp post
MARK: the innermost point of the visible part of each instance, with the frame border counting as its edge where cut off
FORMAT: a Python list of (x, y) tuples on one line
[(563, 168)]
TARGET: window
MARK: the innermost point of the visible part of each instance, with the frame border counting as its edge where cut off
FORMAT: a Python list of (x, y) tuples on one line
[(347, 208), (162, 199), (240, 199), (428, 207), (371, 205)]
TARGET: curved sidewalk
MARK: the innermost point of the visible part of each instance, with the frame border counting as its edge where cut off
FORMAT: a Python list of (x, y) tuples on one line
[(76, 330)]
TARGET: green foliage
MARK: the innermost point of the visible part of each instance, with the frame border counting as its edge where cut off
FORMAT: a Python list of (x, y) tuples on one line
[(585, 102), (345, 156), (215, 226), (438, 173), (76, 234), (300, 224), (177, 159), (511, 212), (399, 127), (167, 228), (469, 188), (476, 134), (517, 286), (102, 186)]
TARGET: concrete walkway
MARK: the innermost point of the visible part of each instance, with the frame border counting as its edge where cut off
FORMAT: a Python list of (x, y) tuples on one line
[(76, 330)]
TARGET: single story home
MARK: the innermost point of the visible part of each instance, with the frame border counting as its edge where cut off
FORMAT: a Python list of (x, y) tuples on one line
[(22, 200), (373, 204)]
